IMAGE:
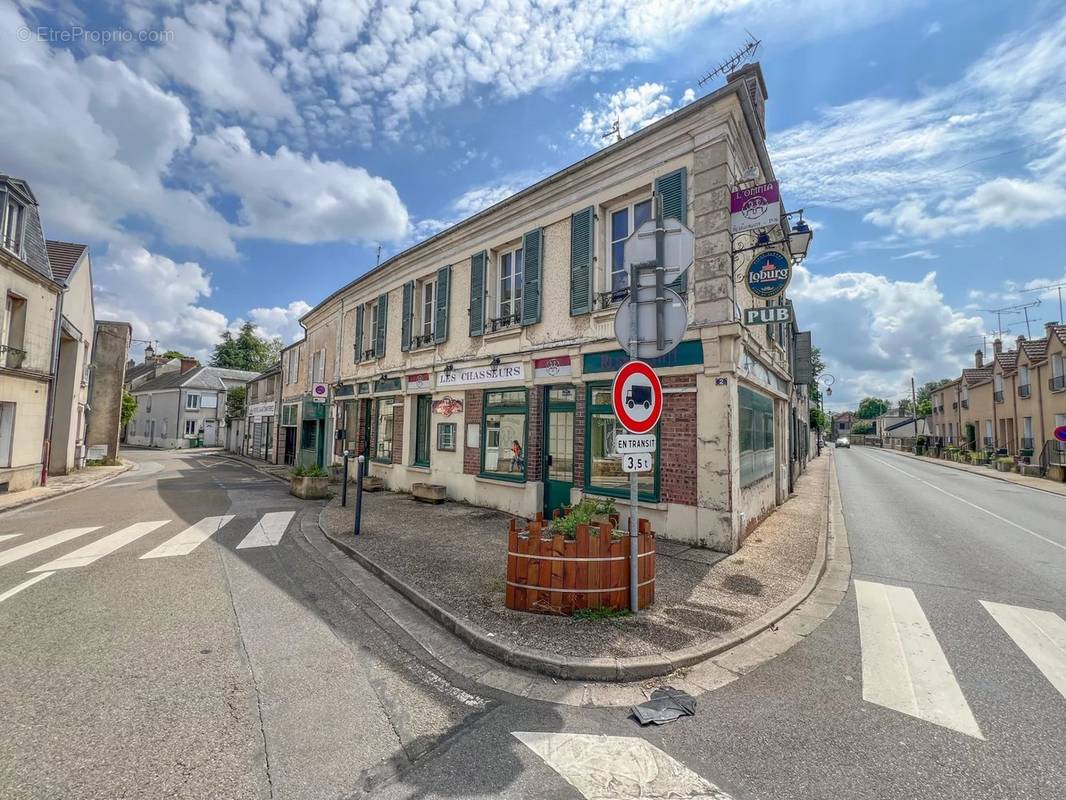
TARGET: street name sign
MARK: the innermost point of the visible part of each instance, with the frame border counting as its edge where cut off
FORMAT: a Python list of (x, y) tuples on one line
[(637, 397), (767, 315), (769, 274), (755, 207), (636, 462), (624, 443)]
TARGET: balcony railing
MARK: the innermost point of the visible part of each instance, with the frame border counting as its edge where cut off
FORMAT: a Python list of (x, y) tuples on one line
[(988, 441), (499, 323), (368, 354), (955, 404), (608, 299), (1024, 390), (1026, 444), (12, 357), (998, 396), (1057, 383), (422, 341), (965, 403)]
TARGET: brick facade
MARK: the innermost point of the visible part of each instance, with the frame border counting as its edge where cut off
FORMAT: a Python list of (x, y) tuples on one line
[(472, 416), (677, 453), (579, 438), (397, 432), (535, 434)]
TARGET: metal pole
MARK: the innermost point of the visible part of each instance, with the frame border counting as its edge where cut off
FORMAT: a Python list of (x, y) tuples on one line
[(634, 550), (914, 409), (1061, 320), (358, 494), (344, 479), (1028, 333)]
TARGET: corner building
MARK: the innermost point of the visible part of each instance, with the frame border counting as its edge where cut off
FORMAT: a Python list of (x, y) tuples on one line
[(481, 359)]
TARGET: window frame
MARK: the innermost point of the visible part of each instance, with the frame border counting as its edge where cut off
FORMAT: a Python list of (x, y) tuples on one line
[(609, 270), (441, 445), (13, 244), (427, 316), (194, 422), (516, 280), (295, 415), (504, 409), (605, 410), (189, 406), (754, 476), (378, 440)]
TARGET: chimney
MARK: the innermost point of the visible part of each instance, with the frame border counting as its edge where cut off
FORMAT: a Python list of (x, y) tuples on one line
[(751, 75), (187, 364), (979, 358), (997, 345), (1049, 328), (1018, 343)]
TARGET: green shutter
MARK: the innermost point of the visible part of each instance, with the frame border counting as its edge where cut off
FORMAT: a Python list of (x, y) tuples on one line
[(673, 189), (379, 334), (532, 259), (477, 293), (581, 252), (359, 333), (406, 314), (442, 300)]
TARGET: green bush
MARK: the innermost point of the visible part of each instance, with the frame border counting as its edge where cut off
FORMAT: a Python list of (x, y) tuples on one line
[(313, 471), (1005, 460), (582, 514)]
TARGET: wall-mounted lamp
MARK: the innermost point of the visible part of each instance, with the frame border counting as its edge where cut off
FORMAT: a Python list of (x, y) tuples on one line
[(495, 361)]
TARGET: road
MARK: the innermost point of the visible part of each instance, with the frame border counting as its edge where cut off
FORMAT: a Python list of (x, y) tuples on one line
[(231, 671)]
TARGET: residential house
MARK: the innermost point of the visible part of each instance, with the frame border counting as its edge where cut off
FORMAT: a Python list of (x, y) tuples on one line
[(262, 407), (842, 423)]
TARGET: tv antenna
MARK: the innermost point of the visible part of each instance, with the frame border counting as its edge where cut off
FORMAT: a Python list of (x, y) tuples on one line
[(1022, 308), (1057, 286), (744, 54), (615, 130)]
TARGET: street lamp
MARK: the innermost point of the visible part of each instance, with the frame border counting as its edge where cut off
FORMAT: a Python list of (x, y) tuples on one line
[(799, 239)]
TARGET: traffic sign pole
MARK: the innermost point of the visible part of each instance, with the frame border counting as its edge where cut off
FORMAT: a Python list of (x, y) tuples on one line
[(634, 549)]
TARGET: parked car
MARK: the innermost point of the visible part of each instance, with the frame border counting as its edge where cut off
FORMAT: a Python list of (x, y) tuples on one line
[(843, 442)]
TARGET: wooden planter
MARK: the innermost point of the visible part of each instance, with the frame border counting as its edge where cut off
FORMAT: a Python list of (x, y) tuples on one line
[(549, 574)]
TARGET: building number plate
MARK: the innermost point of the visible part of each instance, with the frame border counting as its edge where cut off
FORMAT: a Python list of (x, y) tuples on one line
[(636, 462)]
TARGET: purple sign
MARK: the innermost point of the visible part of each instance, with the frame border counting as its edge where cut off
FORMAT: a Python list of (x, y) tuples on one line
[(754, 207)]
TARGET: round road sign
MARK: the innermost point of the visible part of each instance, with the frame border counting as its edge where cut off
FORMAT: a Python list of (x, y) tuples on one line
[(1060, 433), (637, 396), (769, 274)]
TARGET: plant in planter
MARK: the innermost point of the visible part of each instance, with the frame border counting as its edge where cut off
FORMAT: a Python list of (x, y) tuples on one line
[(309, 483), (1004, 464)]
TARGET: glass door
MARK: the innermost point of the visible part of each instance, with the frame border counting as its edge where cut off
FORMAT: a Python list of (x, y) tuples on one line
[(422, 412), (558, 447)]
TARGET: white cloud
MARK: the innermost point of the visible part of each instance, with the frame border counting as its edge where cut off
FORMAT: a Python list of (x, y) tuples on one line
[(933, 28), (481, 197), (291, 197), (283, 321), (876, 332), (925, 255), (632, 108), (922, 167)]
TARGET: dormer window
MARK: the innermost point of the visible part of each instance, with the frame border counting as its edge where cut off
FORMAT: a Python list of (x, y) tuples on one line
[(13, 225)]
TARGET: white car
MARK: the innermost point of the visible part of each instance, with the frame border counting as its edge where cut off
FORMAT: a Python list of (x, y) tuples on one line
[(843, 442)]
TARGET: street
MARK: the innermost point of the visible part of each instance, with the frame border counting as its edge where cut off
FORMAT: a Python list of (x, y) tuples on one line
[(183, 632)]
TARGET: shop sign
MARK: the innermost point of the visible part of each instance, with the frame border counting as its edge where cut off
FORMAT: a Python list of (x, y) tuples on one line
[(755, 207), (688, 353), (419, 382), (554, 367), (345, 390), (769, 274), (767, 315), (505, 373), (259, 410), (388, 385), (447, 406)]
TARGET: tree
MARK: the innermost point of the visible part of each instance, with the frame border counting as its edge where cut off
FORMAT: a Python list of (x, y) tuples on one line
[(819, 421), (169, 354), (814, 389), (129, 407), (246, 350), (871, 408), (235, 403), (862, 428)]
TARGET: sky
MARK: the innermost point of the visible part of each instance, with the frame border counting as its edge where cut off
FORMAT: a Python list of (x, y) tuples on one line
[(232, 162)]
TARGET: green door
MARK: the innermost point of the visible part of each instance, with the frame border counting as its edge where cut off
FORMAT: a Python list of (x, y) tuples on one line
[(558, 447), (422, 413)]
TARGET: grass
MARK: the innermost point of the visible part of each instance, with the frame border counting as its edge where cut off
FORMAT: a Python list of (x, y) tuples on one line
[(597, 614)]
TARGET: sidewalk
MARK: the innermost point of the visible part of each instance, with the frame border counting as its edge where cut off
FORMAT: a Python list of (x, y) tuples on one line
[(1010, 477), (278, 471), (449, 561), (59, 485)]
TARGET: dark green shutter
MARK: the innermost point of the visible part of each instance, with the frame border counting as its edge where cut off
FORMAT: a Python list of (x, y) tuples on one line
[(379, 334), (406, 314), (477, 293), (532, 258), (581, 252), (442, 300), (359, 334), (673, 189)]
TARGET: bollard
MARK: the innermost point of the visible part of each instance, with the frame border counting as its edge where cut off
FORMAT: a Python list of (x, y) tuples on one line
[(344, 480), (358, 493)]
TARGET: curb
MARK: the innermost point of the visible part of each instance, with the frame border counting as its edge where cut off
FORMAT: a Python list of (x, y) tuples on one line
[(237, 460), (959, 468), (600, 669), (127, 466)]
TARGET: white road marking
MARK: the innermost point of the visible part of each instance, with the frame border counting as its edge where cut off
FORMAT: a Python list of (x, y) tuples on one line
[(5, 536), (102, 547), (972, 505), (617, 767), (1041, 635), (37, 545), (903, 666), (268, 531), (24, 585), (190, 538)]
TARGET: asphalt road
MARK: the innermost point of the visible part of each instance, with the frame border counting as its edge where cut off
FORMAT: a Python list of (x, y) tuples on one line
[(232, 671)]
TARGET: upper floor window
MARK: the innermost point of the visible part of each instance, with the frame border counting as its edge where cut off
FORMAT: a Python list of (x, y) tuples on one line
[(293, 365), (509, 286), (13, 224), (192, 402), (318, 366), (370, 331), (427, 293), (624, 221), (13, 330)]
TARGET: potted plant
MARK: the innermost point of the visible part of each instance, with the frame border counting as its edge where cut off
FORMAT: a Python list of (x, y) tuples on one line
[(309, 483), (919, 446), (1004, 464)]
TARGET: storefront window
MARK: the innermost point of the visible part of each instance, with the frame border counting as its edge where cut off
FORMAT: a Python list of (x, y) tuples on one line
[(756, 436), (383, 441), (503, 437), (603, 469)]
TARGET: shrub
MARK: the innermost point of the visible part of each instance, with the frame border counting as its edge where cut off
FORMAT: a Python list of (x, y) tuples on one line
[(313, 471), (582, 514)]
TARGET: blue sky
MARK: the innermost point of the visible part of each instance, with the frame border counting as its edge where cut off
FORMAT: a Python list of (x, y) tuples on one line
[(239, 161)]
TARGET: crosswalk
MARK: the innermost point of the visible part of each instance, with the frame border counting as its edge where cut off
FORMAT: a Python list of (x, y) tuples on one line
[(265, 531), (905, 669)]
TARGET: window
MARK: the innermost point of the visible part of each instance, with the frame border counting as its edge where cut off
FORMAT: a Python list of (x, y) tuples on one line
[(289, 412), (148, 403), (14, 222), (190, 427), (13, 332), (623, 222), (1058, 377), (294, 366), (192, 402), (383, 437), (756, 436), (509, 287), (503, 435), (446, 436), (603, 468), (989, 437), (1023, 380), (370, 331), (1060, 420), (164, 434), (423, 410), (1027, 433), (997, 386), (318, 366), (428, 293), (7, 432)]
